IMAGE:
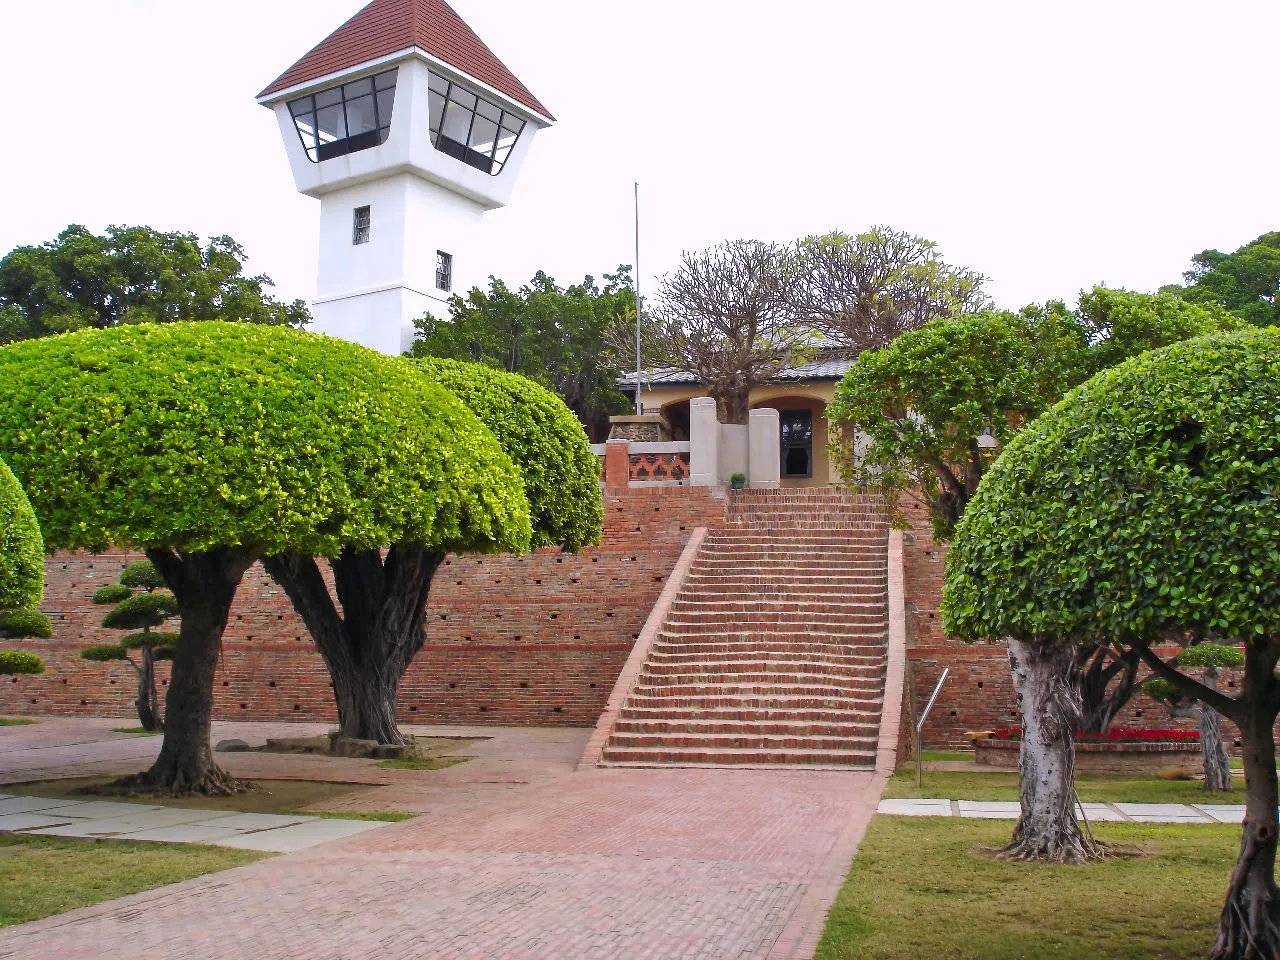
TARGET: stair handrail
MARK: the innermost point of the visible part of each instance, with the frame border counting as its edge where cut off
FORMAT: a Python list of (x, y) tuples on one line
[(946, 672)]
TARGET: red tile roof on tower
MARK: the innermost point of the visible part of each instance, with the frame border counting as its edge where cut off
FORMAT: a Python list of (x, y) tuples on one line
[(389, 26)]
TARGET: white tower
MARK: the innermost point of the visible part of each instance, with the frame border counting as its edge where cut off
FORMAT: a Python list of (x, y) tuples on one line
[(407, 128)]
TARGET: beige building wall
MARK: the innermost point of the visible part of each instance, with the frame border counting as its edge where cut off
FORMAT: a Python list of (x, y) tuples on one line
[(814, 397)]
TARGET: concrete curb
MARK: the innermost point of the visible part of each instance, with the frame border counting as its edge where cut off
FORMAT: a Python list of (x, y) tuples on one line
[(640, 651), (895, 668)]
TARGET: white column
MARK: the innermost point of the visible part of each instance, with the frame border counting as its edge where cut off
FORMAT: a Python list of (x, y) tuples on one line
[(704, 443), (764, 448)]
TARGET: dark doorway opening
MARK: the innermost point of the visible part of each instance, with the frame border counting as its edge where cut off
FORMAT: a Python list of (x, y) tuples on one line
[(797, 443)]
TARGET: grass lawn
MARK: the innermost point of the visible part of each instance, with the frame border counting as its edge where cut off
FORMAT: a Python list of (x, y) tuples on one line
[(41, 876), (923, 887), (927, 755), (143, 731), (1101, 787), (15, 722)]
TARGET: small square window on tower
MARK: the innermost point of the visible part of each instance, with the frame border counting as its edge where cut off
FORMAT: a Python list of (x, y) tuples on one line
[(360, 225), (444, 270)]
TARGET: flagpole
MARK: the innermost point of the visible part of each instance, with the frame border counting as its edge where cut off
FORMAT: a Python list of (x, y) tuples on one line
[(639, 405)]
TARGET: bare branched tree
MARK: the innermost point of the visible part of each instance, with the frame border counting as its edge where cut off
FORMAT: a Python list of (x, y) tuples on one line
[(722, 315), (862, 291)]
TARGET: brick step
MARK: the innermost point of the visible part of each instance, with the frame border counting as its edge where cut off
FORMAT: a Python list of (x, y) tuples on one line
[(847, 730), (641, 756), (768, 700), (797, 546), (783, 581), (698, 604), (729, 715), (857, 638), (821, 533), (702, 686), (762, 665), (686, 623), (789, 562), (706, 653), (740, 741)]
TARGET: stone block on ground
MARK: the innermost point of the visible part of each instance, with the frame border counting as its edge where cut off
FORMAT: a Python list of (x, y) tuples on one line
[(351, 747), (231, 746), (319, 745)]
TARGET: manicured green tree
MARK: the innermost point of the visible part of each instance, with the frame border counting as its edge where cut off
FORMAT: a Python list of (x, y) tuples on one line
[(21, 575), (138, 612), (209, 445), (1210, 657), (1246, 282), (1140, 509), (383, 595)]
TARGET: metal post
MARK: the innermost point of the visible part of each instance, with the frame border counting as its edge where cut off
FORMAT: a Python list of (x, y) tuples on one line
[(639, 405), (925, 716)]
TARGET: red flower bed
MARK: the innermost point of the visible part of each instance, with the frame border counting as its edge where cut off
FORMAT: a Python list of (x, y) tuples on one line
[(1115, 735)]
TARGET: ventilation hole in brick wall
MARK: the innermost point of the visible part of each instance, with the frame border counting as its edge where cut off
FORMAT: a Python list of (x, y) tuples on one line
[(498, 615), (682, 528), (953, 713), (595, 559), (453, 686), (478, 562), (635, 636), (468, 637), (239, 616), (524, 685), (14, 680), (553, 709), (609, 614), (1013, 713), (657, 579), (448, 563), (497, 580), (518, 637), (164, 683), (444, 616), (64, 679), (1235, 742), (559, 559), (1231, 683), (33, 699), (574, 580), (297, 707), (84, 703), (413, 709), (249, 637), (1137, 713), (484, 709), (979, 684), (244, 706), (633, 559), (619, 509), (593, 686), (299, 639), (555, 616), (226, 683), (537, 581), (637, 529), (112, 682), (576, 636), (656, 509), (271, 683)]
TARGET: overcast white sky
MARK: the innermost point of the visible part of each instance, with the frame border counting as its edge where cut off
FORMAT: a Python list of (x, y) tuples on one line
[(1049, 145)]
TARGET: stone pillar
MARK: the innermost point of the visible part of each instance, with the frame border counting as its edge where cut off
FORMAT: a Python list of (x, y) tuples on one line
[(764, 449), (704, 443), (733, 450), (617, 464)]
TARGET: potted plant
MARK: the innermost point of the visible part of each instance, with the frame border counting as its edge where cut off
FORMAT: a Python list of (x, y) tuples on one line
[(739, 480)]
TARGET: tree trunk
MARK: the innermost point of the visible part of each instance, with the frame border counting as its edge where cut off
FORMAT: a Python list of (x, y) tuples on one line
[(1103, 699), (204, 584), (1247, 929), (1217, 765), (147, 704), (734, 405), (370, 644), (1044, 680)]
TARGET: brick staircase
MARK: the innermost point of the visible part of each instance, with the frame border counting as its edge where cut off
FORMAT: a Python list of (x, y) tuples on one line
[(773, 651)]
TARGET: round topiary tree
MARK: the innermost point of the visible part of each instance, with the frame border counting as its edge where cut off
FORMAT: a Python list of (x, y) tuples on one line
[(21, 575), (369, 645), (1143, 508), (1210, 657), (138, 612), (209, 445)]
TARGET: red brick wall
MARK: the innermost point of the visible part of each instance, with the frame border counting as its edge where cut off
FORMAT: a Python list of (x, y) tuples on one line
[(537, 639)]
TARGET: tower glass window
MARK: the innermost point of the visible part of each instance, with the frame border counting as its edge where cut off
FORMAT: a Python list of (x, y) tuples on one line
[(360, 223), (345, 119), (444, 270), (469, 127)]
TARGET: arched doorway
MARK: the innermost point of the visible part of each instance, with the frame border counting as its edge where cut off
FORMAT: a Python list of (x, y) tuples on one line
[(803, 460)]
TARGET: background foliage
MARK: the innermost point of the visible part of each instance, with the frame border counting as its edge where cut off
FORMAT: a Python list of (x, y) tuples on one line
[(21, 547)]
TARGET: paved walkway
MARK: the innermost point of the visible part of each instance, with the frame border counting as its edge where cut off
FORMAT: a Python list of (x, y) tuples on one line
[(516, 856), (1130, 812)]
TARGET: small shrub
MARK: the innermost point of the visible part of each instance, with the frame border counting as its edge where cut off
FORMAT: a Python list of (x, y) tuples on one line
[(19, 661), (26, 623)]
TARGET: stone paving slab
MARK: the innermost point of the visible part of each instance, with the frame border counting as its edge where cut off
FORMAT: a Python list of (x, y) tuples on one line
[(30, 804), (299, 836), (181, 833), (102, 809), (251, 821), (86, 828), (916, 808), (27, 821), (989, 809), (1102, 812), (1223, 812)]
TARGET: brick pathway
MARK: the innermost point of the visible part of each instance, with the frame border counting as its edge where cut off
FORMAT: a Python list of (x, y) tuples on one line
[(543, 863)]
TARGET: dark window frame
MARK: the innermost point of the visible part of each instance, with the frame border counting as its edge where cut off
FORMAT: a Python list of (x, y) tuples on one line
[(305, 107), (361, 226), (488, 163), (444, 271)]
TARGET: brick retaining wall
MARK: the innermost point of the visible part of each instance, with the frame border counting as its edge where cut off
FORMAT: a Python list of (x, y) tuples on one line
[(537, 639)]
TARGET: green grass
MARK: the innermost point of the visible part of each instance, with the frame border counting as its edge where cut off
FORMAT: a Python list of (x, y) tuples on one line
[(927, 755), (925, 887), (41, 876), (390, 816), (963, 785), (142, 730), (15, 721)]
